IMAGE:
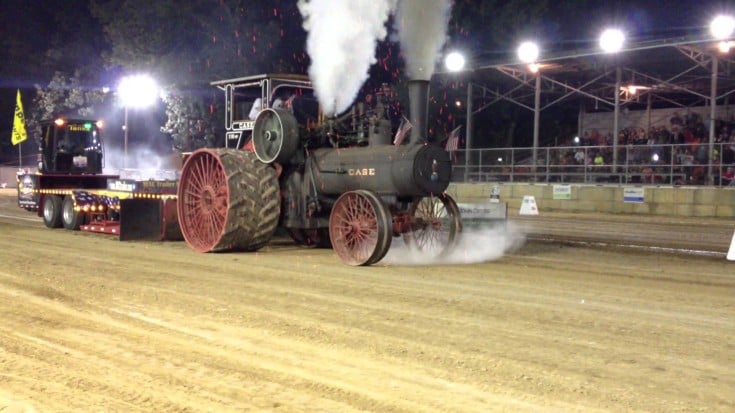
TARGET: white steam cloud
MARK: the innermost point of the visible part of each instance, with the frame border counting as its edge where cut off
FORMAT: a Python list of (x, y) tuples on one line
[(343, 35), (342, 39), (422, 30), (475, 245)]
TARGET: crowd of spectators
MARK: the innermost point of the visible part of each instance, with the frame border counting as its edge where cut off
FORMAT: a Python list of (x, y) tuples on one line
[(650, 155)]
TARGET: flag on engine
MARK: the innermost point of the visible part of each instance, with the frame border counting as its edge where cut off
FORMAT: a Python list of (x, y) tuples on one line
[(403, 130), (19, 123), (453, 140)]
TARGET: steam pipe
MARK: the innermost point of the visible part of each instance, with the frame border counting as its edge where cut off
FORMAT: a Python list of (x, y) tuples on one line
[(418, 96)]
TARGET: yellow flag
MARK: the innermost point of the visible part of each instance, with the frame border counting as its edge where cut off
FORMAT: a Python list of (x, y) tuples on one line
[(19, 123)]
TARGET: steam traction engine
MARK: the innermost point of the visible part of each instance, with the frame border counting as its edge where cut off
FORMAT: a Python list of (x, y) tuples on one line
[(328, 181)]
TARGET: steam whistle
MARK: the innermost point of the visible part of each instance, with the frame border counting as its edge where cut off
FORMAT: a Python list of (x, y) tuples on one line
[(434, 172)]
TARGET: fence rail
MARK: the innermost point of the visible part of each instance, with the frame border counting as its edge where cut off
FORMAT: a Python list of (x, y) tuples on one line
[(677, 164)]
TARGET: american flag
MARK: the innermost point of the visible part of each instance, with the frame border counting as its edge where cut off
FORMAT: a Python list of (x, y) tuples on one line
[(453, 140), (83, 198), (403, 130)]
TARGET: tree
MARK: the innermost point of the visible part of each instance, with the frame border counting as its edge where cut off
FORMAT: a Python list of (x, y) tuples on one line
[(186, 45), (63, 96)]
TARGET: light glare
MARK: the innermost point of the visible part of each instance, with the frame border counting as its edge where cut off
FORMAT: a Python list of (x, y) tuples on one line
[(722, 27), (528, 52), (454, 62), (138, 91), (611, 40)]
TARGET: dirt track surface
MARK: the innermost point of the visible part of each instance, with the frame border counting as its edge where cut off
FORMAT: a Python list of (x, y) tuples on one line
[(91, 324)]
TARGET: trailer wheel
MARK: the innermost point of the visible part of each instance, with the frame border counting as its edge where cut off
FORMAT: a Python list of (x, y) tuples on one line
[(70, 218), (227, 201), (52, 211), (436, 224), (360, 228)]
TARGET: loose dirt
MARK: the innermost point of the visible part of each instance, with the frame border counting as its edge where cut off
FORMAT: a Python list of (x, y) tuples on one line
[(92, 324)]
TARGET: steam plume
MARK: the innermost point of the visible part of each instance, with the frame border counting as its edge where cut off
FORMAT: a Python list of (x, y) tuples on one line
[(422, 31), (342, 39)]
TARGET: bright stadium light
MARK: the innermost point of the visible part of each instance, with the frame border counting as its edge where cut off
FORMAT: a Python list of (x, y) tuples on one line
[(611, 40), (136, 91), (722, 27), (528, 52), (454, 62)]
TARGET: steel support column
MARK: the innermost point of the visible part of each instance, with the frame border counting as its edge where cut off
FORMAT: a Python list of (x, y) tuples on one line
[(468, 133), (712, 114)]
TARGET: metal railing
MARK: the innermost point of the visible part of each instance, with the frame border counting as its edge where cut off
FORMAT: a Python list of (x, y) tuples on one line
[(677, 164)]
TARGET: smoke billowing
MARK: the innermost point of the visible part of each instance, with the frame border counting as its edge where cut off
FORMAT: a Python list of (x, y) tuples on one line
[(343, 35), (422, 28), (342, 39)]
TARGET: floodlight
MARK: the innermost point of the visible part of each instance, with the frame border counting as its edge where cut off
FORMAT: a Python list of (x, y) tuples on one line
[(454, 62), (138, 91), (722, 27), (528, 52), (611, 40)]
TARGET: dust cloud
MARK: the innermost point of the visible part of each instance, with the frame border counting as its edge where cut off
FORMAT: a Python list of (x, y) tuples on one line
[(476, 244)]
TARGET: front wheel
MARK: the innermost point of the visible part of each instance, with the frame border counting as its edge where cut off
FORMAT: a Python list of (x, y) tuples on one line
[(435, 223), (360, 228)]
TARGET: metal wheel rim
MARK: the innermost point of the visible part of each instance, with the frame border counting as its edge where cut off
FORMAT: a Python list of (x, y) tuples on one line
[(205, 193), (48, 210), (67, 212), (356, 230), (439, 217)]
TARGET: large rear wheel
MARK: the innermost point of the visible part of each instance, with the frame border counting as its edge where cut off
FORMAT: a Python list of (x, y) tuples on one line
[(360, 228), (52, 211), (435, 224), (227, 200)]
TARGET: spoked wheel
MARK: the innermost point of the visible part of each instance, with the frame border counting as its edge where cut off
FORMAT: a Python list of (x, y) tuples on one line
[(435, 224), (227, 200), (360, 228)]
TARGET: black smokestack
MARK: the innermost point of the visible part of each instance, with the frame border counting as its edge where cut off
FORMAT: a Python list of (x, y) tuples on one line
[(418, 97)]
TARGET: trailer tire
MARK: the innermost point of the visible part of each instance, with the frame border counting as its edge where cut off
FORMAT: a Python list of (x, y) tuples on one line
[(52, 211), (70, 218)]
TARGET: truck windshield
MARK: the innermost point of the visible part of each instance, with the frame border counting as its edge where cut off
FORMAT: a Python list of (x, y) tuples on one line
[(76, 138)]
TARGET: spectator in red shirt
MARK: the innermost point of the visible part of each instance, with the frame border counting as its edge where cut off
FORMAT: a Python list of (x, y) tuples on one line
[(728, 177)]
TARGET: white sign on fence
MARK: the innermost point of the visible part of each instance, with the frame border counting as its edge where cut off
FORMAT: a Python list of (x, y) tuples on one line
[(483, 211), (562, 191), (633, 194)]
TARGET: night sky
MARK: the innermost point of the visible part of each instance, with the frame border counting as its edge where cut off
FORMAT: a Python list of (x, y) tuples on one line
[(28, 32)]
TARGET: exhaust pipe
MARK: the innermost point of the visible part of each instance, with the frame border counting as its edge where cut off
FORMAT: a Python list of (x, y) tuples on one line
[(418, 96)]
